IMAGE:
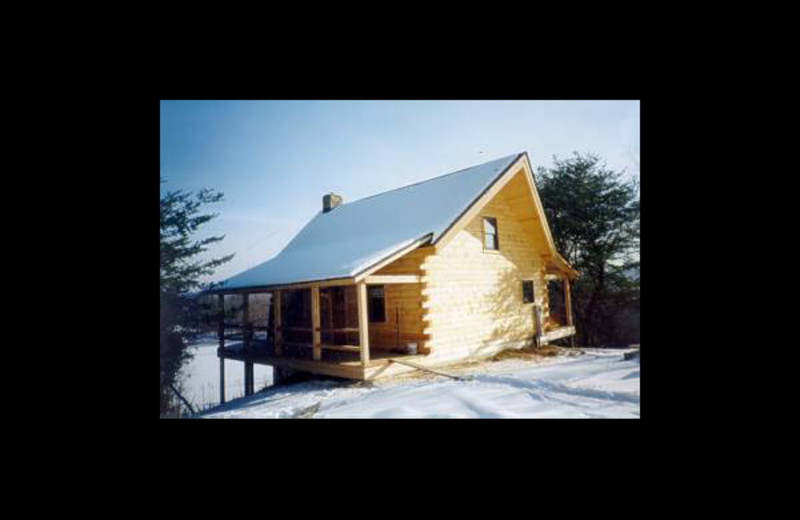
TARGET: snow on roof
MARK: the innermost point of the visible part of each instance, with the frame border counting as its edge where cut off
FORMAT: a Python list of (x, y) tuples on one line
[(354, 236)]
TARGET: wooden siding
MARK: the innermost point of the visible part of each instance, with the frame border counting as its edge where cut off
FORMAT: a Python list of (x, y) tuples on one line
[(403, 301), (473, 298)]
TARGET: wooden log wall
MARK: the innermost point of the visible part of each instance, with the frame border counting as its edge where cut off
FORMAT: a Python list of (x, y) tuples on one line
[(403, 301), (474, 297)]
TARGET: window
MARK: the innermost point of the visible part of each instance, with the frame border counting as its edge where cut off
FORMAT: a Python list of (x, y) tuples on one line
[(490, 241), (376, 304), (527, 291)]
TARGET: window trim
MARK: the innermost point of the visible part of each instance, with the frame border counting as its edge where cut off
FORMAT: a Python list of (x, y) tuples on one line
[(496, 235)]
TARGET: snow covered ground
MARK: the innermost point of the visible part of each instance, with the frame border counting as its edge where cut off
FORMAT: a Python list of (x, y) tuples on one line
[(597, 384)]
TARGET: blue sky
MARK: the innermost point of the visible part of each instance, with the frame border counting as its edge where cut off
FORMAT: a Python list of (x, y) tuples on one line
[(274, 160)]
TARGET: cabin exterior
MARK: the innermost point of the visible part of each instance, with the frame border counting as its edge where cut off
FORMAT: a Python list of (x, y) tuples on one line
[(450, 269)]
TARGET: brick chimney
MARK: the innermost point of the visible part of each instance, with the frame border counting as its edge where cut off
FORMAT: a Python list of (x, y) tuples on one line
[(330, 201)]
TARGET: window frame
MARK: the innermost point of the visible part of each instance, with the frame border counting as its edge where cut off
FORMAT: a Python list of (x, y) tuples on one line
[(496, 234)]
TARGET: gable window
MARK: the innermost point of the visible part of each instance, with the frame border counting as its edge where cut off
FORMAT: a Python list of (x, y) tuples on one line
[(527, 291), (376, 304), (490, 241)]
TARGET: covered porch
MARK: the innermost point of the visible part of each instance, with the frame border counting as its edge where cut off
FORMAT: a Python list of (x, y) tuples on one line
[(557, 323), (339, 328)]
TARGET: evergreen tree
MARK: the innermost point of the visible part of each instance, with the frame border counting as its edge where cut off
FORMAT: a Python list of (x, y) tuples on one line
[(183, 314), (593, 214)]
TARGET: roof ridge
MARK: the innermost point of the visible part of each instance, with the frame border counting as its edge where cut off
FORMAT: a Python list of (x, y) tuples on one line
[(433, 178)]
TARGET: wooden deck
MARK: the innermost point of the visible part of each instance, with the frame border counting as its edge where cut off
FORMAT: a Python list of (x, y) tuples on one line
[(334, 362), (340, 363), (558, 333)]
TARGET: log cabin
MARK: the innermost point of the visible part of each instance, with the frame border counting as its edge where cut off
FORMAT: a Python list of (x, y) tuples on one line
[(450, 269)]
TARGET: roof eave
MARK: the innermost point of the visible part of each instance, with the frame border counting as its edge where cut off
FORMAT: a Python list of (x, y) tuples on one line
[(347, 280)]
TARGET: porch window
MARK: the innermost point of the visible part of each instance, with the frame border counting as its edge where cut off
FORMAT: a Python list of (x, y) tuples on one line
[(376, 303), (490, 241), (527, 291)]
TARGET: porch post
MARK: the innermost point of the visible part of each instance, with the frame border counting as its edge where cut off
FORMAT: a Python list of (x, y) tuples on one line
[(568, 300), (568, 305), (248, 365), (246, 321), (221, 380), (363, 322), (221, 334), (277, 338), (315, 326)]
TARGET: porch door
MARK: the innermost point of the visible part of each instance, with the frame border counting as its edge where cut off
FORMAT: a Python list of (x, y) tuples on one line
[(555, 297)]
